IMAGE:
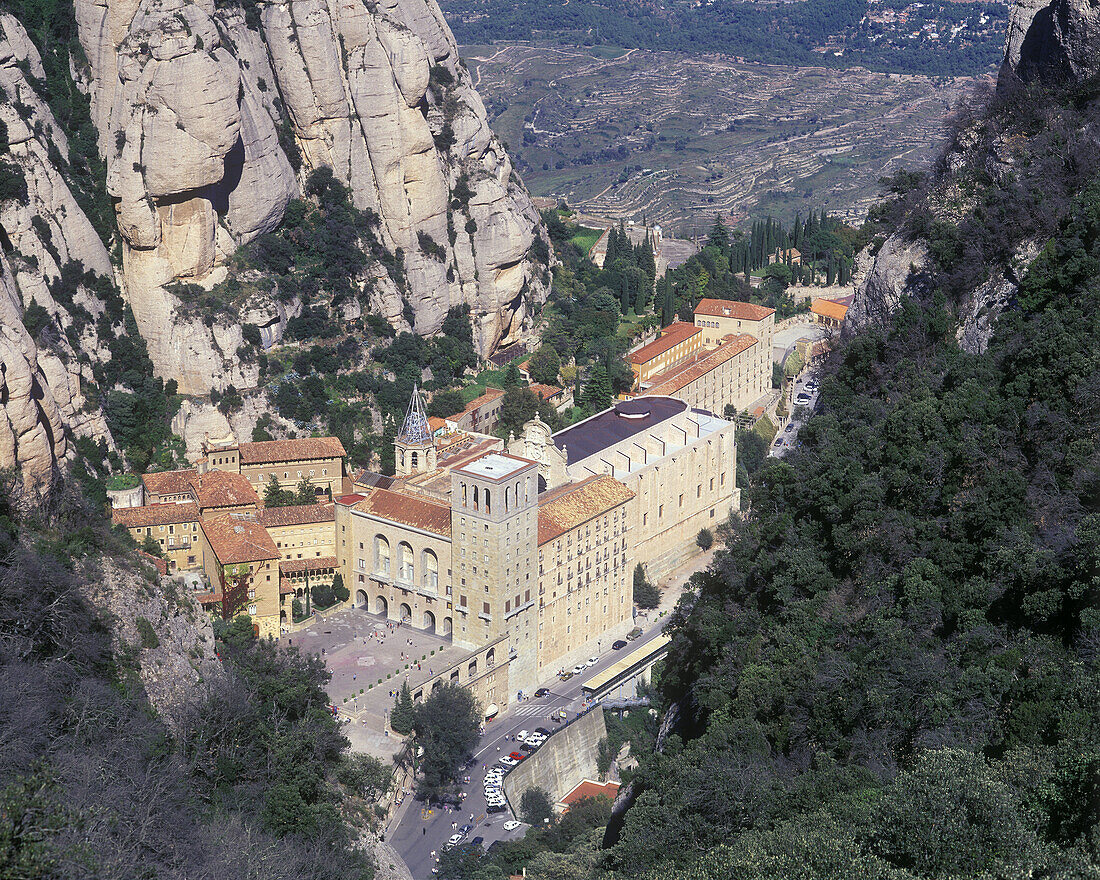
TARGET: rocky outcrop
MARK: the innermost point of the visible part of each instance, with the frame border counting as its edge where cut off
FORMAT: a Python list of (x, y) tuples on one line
[(197, 109), (153, 619), (42, 376), (988, 300), (899, 263), (1053, 42)]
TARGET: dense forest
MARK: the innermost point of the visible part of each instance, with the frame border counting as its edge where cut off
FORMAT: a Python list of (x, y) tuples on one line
[(837, 33)]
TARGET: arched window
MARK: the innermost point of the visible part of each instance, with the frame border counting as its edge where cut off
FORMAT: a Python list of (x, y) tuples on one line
[(507, 493), (415, 459), (477, 506), (465, 500), (405, 562), (488, 509), (381, 555), (429, 568)]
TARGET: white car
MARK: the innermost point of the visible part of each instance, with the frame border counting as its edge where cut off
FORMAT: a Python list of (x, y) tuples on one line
[(512, 825), (535, 740), (508, 761), (453, 841), (592, 661), (579, 668), (521, 736)]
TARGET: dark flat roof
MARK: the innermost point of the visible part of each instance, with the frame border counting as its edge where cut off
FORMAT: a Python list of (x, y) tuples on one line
[(625, 419)]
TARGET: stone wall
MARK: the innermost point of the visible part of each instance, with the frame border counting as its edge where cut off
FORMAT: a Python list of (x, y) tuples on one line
[(566, 758)]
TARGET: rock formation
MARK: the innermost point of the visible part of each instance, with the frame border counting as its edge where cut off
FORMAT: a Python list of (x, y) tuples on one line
[(881, 287), (1054, 41), (204, 114), (41, 376)]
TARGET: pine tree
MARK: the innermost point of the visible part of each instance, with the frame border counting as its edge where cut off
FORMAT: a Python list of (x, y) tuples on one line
[(597, 391), (403, 716), (667, 299)]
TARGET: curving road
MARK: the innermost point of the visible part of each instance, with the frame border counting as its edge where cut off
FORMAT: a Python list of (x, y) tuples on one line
[(416, 833)]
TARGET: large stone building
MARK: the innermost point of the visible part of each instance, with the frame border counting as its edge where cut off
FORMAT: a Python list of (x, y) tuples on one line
[(677, 341), (680, 463), (235, 546), (317, 459), (719, 318), (713, 379), (175, 527), (469, 545)]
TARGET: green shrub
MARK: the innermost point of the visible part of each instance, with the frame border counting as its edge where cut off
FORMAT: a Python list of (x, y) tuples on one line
[(148, 635)]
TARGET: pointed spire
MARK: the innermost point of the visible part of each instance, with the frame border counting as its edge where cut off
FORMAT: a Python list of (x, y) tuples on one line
[(415, 428)]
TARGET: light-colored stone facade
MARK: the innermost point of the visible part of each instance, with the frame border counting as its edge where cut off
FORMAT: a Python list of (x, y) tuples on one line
[(679, 462), (235, 545), (713, 379), (721, 318), (585, 570)]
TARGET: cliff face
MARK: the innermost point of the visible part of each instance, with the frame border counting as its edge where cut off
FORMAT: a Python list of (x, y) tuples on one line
[(205, 114), (42, 375), (1001, 155)]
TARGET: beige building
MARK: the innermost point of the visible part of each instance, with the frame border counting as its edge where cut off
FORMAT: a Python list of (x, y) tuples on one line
[(302, 531), (234, 546), (212, 491), (677, 341), (585, 570), (481, 414), (318, 459), (174, 526), (680, 463), (719, 318), (713, 378)]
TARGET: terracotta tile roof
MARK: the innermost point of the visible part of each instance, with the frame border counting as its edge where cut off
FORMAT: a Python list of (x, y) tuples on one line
[(169, 482), (296, 566), (303, 449), (672, 335), (672, 380), (436, 423), (237, 539), (296, 515), (155, 515), (569, 506), (742, 311), (490, 395), (409, 510), (224, 489), (546, 392), (829, 309), (588, 788)]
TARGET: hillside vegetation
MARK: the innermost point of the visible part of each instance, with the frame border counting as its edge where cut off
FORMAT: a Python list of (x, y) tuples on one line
[(892, 669), (251, 770)]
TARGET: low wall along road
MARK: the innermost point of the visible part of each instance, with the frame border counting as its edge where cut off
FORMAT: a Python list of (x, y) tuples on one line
[(566, 758)]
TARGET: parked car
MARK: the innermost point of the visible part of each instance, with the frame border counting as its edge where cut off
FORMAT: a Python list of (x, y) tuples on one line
[(634, 633), (579, 668), (802, 399), (789, 428), (618, 645), (592, 661), (544, 731), (512, 825), (452, 841), (522, 735), (477, 841), (565, 676), (541, 692), (496, 807), (518, 756), (525, 746), (508, 761), (465, 829)]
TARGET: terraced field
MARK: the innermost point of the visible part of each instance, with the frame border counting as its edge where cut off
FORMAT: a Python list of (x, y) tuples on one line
[(681, 138)]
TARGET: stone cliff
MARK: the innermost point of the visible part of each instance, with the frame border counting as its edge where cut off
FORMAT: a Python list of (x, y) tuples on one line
[(949, 238), (44, 373), (210, 118)]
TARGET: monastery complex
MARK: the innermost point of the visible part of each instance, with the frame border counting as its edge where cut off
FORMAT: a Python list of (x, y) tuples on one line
[(520, 551)]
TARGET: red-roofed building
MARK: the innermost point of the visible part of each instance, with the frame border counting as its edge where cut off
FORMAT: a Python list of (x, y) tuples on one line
[(719, 318), (713, 378), (829, 312), (677, 341)]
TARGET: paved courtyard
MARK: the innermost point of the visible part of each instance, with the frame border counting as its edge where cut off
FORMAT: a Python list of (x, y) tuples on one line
[(361, 648)]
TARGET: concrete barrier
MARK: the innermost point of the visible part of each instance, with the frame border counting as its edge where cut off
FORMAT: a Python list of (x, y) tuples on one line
[(566, 758)]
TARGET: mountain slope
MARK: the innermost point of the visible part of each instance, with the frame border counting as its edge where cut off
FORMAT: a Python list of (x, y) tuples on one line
[(892, 670)]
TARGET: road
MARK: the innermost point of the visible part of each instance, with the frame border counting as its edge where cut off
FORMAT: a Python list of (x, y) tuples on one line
[(788, 438), (416, 833)]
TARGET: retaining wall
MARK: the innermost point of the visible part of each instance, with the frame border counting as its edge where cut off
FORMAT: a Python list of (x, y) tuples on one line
[(566, 758)]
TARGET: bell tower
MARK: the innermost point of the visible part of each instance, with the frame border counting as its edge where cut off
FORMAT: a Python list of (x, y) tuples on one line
[(414, 447)]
